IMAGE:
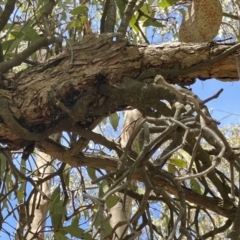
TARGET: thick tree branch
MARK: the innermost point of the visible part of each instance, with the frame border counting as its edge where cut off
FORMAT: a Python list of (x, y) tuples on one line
[(9, 7), (90, 93)]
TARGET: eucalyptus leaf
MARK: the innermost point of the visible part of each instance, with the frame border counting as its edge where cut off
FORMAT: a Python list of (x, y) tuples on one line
[(112, 201), (79, 10), (114, 120)]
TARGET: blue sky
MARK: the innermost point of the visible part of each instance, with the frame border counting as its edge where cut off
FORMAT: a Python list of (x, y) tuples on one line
[(225, 108)]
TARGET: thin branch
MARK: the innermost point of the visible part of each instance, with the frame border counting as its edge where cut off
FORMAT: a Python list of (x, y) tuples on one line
[(194, 152), (128, 13), (216, 231), (235, 17), (108, 19), (216, 95), (21, 57)]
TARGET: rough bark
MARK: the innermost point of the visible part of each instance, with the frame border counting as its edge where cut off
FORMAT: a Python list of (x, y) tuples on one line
[(95, 78)]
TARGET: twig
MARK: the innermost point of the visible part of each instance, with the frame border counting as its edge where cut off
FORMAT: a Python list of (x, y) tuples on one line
[(128, 12), (194, 152), (19, 58), (216, 95)]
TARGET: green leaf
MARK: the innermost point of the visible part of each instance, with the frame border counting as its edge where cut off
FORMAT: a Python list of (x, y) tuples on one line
[(18, 34), (31, 35), (57, 212), (59, 236), (60, 209), (152, 22), (104, 186), (147, 10), (73, 230), (132, 24), (75, 220), (97, 221), (87, 236), (66, 174), (75, 24), (21, 192), (166, 3), (195, 186), (121, 6), (2, 165), (15, 43), (6, 44), (79, 10), (56, 220), (114, 120), (23, 167), (56, 194), (107, 228), (112, 201), (55, 197), (178, 162), (91, 173), (172, 168)]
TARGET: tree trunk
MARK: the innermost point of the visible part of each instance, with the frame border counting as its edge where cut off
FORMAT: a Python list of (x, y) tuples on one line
[(131, 121), (38, 204)]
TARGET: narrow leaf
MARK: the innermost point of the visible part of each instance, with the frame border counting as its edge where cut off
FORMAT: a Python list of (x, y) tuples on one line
[(91, 173), (114, 120), (74, 231), (112, 201), (166, 3), (79, 10), (195, 186), (152, 22), (178, 162), (59, 236)]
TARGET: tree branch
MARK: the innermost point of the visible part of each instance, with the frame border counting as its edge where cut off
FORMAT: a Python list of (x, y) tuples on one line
[(19, 58), (9, 7), (109, 163), (128, 13)]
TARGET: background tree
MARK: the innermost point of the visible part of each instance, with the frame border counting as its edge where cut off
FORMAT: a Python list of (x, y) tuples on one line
[(63, 85)]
